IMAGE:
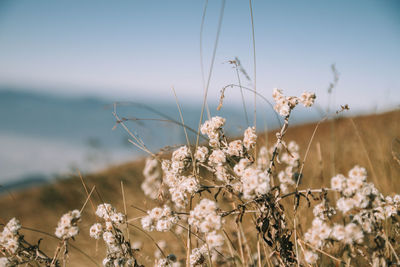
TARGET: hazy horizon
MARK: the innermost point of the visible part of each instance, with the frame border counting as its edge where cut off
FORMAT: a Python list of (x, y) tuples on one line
[(141, 49)]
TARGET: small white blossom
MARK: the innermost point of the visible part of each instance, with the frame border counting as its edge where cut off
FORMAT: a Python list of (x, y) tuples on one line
[(214, 240), (198, 256), (181, 154), (235, 148), (307, 99), (201, 154), (250, 138), (217, 157), (96, 231), (310, 257), (67, 226)]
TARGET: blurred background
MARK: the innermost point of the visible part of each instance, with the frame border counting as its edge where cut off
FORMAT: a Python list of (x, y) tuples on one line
[(64, 63)]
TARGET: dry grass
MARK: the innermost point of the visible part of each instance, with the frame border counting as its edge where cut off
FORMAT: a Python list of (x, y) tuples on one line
[(366, 142)]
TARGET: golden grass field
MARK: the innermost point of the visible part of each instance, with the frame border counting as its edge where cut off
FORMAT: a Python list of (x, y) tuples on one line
[(338, 146)]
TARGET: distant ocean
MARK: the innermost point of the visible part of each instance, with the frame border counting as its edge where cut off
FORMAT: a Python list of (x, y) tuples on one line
[(43, 136)]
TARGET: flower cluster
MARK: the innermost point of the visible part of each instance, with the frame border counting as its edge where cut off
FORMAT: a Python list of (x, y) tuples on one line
[(249, 138), (68, 225), (254, 181), (17, 250), (201, 154), (9, 239), (110, 215), (212, 128), (159, 219), (152, 178), (284, 104), (289, 155), (119, 252), (364, 210), (233, 166), (198, 255), (179, 184), (204, 216)]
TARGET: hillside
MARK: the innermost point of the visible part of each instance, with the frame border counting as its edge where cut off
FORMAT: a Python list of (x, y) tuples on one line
[(338, 146)]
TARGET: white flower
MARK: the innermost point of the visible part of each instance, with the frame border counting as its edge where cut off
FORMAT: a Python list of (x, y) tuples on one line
[(284, 188), (360, 200), (156, 213), (152, 178), (307, 99), (285, 104), (291, 159), (160, 219), (286, 176), (319, 209), (338, 232), (317, 223), (337, 182), (217, 157), (4, 262), (13, 226), (353, 233), (255, 182), (324, 231), (109, 238), (396, 199), (217, 122), (205, 217), (67, 226), (358, 173), (163, 225), (137, 245), (161, 263), (214, 240), (118, 218), (390, 210), (282, 104), (263, 157), (277, 94), (106, 261), (181, 154), (12, 245), (221, 173), (201, 154), (105, 211), (212, 125), (293, 147), (96, 231), (190, 185), (310, 257), (250, 138), (366, 226), (235, 148), (379, 214), (241, 166), (147, 223), (197, 257), (345, 204)]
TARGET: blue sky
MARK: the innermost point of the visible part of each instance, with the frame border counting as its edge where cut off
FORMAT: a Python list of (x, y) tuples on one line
[(140, 49)]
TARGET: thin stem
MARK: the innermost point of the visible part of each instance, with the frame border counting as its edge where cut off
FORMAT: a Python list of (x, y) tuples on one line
[(87, 199), (211, 69), (255, 63), (201, 52)]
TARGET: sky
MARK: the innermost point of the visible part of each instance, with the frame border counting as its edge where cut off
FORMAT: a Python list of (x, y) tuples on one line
[(139, 50)]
